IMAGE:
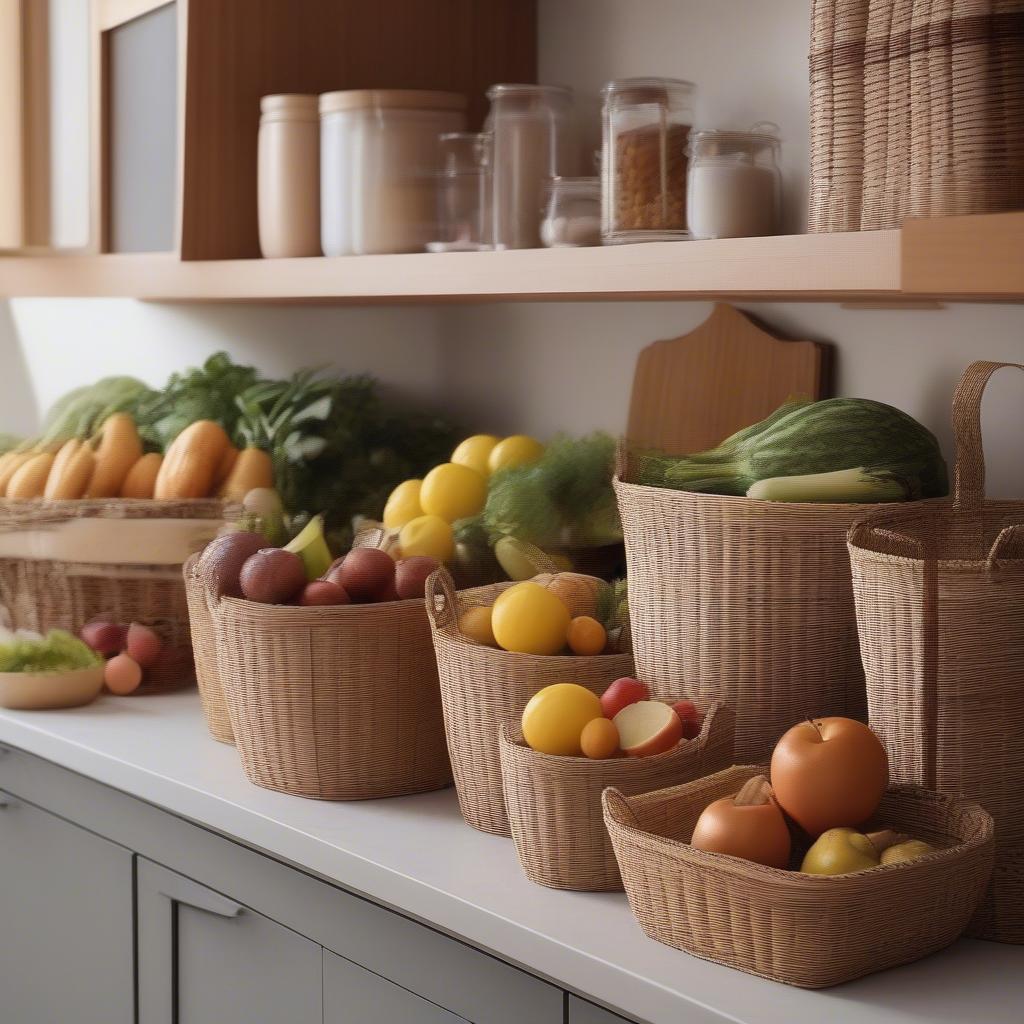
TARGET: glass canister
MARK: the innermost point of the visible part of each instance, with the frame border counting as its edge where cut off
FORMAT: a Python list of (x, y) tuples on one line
[(463, 203), (573, 213), (646, 127), (735, 187), (379, 163), (532, 142), (288, 176)]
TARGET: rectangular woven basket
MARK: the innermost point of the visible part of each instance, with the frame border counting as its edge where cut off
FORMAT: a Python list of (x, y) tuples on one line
[(812, 931), (916, 110), (554, 803), (940, 606)]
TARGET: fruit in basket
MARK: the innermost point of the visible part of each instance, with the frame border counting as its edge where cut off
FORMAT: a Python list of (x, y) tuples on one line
[(411, 575), (140, 482), (829, 772), (143, 645), (427, 535), (311, 546), (749, 824), (452, 492), (519, 560), (528, 619), (586, 636), (367, 574), (911, 849), (621, 693), (250, 468), (475, 625), (122, 674), (599, 739), (840, 851), (319, 593), (119, 449), (691, 718), (222, 560), (517, 450), (554, 718), (403, 505), (71, 471), (648, 727), (190, 464), (579, 593), (29, 479), (272, 576), (106, 638), (475, 452)]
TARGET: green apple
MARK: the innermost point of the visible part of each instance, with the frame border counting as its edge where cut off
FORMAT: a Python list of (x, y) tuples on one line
[(840, 851)]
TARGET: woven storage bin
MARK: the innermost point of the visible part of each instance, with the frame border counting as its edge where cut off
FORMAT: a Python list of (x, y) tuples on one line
[(743, 602), (204, 649), (916, 110), (554, 803), (483, 687), (49, 593), (940, 604), (807, 930), (333, 703)]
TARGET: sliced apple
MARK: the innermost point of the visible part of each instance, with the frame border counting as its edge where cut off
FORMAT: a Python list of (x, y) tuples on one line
[(648, 727), (621, 694)]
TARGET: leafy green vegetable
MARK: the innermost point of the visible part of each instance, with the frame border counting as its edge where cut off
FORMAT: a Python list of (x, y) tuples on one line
[(56, 652), (8, 442), (81, 412)]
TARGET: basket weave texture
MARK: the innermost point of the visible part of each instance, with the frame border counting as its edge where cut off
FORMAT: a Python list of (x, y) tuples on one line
[(806, 930), (204, 649), (45, 594), (333, 703), (483, 687), (940, 605), (554, 803), (743, 602), (916, 110)]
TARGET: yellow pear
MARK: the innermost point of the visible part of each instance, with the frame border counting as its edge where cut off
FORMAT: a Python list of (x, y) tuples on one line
[(902, 852), (840, 851)]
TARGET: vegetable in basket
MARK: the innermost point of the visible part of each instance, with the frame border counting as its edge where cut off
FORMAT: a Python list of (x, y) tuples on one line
[(56, 652)]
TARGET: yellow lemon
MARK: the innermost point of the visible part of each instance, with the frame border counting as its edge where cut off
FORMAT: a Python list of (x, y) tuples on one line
[(475, 624), (453, 492), (403, 504), (529, 619), (475, 451), (517, 450), (427, 535), (555, 718)]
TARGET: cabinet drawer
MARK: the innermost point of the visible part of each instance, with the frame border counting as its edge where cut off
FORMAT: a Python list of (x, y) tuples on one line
[(582, 1012)]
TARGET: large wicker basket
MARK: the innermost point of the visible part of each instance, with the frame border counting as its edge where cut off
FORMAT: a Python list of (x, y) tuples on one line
[(482, 688), (554, 803), (334, 703), (204, 649), (744, 602), (940, 605), (807, 930), (45, 584)]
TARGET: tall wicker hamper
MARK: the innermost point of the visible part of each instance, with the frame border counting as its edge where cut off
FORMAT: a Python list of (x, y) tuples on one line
[(940, 605), (482, 688), (45, 587)]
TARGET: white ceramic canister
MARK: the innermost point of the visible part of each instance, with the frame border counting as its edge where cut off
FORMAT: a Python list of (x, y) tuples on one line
[(379, 165), (288, 176)]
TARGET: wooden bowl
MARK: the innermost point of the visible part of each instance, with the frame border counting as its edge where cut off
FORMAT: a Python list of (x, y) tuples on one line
[(36, 690)]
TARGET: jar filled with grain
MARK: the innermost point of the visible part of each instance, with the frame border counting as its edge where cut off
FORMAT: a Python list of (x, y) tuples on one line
[(645, 143)]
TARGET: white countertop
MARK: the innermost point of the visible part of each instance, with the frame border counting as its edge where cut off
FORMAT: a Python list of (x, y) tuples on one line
[(417, 855)]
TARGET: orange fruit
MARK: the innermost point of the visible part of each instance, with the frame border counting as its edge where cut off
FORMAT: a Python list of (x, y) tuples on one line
[(586, 635), (599, 739)]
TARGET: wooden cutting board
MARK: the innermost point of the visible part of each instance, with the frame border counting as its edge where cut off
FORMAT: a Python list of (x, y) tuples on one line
[(691, 392)]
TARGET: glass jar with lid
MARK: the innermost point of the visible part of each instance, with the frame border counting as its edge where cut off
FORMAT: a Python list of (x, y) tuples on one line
[(735, 187), (532, 142), (573, 213), (646, 126), (463, 203)]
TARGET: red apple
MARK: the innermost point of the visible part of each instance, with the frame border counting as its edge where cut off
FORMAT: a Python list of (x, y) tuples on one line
[(143, 645), (829, 772), (106, 638), (691, 718), (648, 727), (622, 693), (323, 592)]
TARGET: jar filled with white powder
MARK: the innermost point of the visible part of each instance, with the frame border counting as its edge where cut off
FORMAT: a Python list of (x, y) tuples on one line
[(574, 213), (735, 188)]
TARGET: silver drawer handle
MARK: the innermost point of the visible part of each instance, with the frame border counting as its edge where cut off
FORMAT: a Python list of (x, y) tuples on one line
[(197, 897)]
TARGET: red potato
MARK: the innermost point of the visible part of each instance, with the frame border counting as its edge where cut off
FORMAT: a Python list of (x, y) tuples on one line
[(621, 694), (143, 645), (106, 638), (323, 593), (648, 727), (691, 718)]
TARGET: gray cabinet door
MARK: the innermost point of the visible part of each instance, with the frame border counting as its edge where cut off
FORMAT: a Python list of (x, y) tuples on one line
[(204, 959), (65, 921), (582, 1012), (354, 995)]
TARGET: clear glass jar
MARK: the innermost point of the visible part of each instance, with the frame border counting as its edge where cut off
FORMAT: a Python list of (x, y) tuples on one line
[(532, 143), (379, 162), (646, 126), (462, 193), (735, 187), (573, 214)]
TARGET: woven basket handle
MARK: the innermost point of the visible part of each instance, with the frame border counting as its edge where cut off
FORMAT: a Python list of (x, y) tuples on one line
[(617, 808), (442, 601), (969, 485), (1007, 539)]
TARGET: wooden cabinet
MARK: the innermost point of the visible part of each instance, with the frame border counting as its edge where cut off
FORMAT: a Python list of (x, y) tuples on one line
[(65, 921)]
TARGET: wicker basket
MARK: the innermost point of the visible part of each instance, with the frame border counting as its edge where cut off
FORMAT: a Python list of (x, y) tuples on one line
[(44, 592), (204, 649), (806, 930), (940, 604), (743, 602), (333, 703), (554, 803), (482, 688), (915, 111)]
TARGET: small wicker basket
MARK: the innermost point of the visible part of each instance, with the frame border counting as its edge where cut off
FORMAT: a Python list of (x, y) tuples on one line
[(482, 688), (204, 649), (554, 803), (807, 930)]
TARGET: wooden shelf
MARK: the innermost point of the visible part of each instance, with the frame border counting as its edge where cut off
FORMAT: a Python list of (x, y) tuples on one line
[(974, 258)]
